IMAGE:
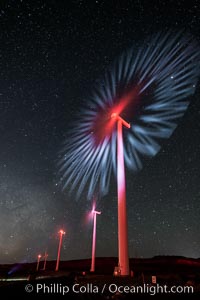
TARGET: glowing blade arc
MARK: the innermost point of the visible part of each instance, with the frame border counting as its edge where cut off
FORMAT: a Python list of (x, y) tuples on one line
[(150, 87)]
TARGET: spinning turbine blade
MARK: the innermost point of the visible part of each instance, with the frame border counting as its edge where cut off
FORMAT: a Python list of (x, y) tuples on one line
[(151, 89)]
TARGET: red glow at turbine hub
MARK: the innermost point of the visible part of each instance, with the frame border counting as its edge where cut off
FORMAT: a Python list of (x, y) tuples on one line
[(96, 212), (116, 117), (89, 216), (105, 122)]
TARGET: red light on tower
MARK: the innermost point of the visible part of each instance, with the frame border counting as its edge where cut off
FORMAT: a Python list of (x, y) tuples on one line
[(95, 213), (38, 261), (61, 232)]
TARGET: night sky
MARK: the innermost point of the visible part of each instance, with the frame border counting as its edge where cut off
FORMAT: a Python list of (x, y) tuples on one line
[(51, 53)]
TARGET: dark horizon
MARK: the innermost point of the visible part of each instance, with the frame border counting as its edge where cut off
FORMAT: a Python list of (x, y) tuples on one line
[(53, 260)]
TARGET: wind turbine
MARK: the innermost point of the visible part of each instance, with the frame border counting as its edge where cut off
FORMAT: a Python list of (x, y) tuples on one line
[(61, 233), (94, 213)]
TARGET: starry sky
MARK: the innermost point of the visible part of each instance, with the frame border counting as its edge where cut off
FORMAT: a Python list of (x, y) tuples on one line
[(50, 54)]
